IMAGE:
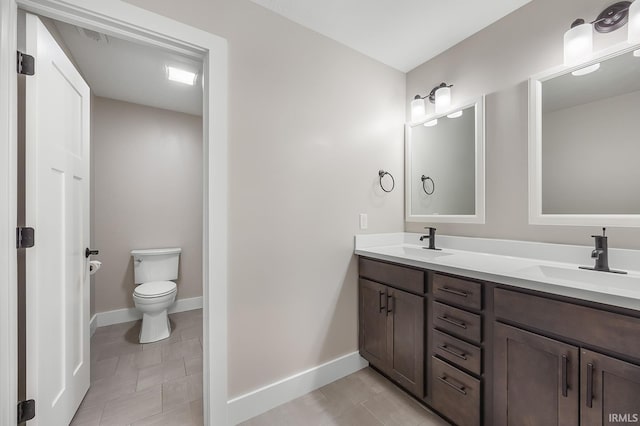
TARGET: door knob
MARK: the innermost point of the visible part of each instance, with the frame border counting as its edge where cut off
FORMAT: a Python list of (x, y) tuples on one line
[(88, 252)]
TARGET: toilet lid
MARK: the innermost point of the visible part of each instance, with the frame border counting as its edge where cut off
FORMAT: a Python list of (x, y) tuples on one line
[(155, 288)]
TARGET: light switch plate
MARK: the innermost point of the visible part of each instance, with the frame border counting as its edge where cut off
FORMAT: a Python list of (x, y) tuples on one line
[(364, 221)]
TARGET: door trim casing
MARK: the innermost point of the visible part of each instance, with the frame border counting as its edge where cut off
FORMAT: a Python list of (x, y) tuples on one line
[(126, 21), (8, 214)]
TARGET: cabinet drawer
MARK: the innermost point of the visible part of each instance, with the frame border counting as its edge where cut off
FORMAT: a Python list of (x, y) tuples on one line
[(457, 352), (458, 322), (456, 395), (458, 291), (393, 275), (612, 331)]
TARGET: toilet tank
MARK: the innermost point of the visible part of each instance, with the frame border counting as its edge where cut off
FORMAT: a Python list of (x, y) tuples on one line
[(155, 264)]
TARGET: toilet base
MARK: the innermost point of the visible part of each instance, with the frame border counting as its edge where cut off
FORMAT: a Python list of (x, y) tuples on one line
[(155, 327)]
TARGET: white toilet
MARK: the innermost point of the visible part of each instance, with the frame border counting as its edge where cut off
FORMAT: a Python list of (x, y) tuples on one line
[(153, 270)]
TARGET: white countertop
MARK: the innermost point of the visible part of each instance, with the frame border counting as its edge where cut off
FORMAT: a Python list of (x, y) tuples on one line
[(550, 268)]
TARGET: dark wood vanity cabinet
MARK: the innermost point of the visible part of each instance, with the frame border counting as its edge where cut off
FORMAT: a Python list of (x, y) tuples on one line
[(535, 379), (480, 353), (373, 322), (610, 391), (457, 338), (392, 322), (543, 380)]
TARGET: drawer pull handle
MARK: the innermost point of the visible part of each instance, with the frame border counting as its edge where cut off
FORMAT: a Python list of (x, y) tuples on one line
[(448, 383), (389, 300), (590, 385), (565, 385), (454, 292), (451, 351), (380, 297), (453, 322)]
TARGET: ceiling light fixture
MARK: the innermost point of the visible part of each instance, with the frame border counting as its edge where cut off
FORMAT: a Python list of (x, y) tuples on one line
[(181, 76), (578, 41), (439, 95)]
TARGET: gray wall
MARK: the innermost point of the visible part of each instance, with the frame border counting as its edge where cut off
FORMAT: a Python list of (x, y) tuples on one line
[(445, 153), (498, 61), (310, 124), (590, 157), (147, 193)]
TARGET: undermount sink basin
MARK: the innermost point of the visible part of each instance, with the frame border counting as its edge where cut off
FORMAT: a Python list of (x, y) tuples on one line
[(582, 278)]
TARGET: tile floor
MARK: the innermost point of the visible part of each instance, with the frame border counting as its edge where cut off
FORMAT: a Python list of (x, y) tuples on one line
[(364, 398), (161, 384), (152, 384)]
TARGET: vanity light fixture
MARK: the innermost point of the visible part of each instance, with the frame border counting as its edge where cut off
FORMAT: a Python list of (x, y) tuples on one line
[(633, 35), (636, 53), (431, 123), (181, 76), (455, 114), (418, 109), (578, 41), (439, 95)]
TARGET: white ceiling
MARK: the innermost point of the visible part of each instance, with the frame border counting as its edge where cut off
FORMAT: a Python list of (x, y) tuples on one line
[(400, 33), (131, 72)]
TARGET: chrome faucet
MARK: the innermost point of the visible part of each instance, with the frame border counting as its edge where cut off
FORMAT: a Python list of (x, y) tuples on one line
[(431, 237), (601, 254)]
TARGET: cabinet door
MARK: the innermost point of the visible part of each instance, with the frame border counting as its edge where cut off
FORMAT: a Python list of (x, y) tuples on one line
[(610, 390), (373, 323), (406, 314), (535, 379)]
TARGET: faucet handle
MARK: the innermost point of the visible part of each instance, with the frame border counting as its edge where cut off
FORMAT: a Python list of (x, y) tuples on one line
[(604, 232), (430, 228)]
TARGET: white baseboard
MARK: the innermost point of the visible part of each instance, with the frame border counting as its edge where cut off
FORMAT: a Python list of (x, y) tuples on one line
[(264, 399), (93, 324), (132, 314)]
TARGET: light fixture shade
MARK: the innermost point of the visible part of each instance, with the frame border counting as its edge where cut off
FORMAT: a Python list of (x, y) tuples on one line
[(417, 109), (578, 44), (443, 99), (636, 53), (634, 22), (431, 123), (455, 114), (586, 70)]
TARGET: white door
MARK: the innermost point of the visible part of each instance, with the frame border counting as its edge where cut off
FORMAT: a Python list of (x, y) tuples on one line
[(57, 206)]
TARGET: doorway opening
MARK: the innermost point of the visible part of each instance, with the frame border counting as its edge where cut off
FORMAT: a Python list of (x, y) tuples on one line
[(116, 17)]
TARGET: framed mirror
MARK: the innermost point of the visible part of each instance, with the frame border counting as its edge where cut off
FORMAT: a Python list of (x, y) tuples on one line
[(584, 143), (444, 166)]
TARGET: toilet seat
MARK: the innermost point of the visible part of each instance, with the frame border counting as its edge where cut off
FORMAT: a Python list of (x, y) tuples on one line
[(154, 289)]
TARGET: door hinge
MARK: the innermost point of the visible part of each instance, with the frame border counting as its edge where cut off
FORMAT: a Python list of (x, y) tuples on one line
[(26, 410), (25, 237), (26, 64)]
